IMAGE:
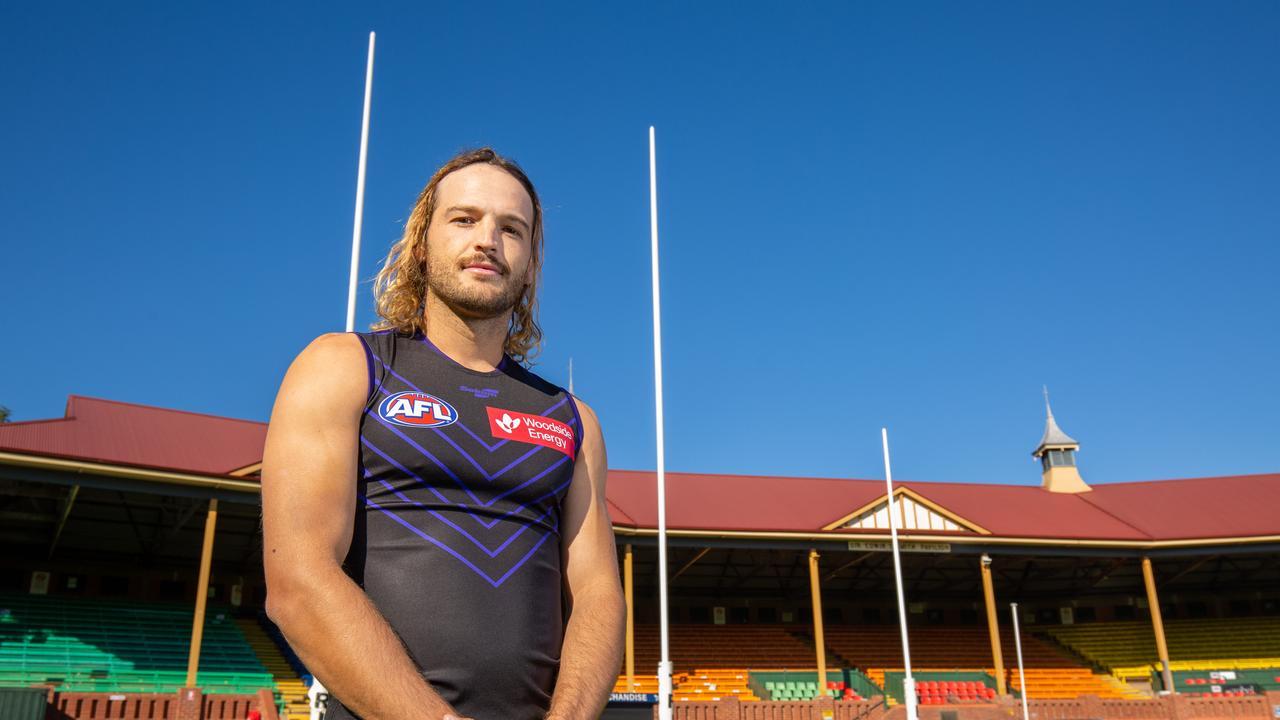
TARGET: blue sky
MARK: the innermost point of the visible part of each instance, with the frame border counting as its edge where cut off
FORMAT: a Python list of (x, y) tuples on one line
[(899, 214)]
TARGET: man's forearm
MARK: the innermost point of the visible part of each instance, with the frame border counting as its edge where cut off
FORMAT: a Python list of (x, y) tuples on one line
[(346, 643), (590, 655)]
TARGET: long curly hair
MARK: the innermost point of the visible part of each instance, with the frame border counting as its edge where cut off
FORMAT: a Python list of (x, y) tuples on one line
[(400, 289)]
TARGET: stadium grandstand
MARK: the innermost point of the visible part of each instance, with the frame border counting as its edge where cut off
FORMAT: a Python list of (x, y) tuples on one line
[(133, 576)]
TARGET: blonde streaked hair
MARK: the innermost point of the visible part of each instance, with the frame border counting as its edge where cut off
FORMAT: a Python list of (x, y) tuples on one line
[(400, 289)]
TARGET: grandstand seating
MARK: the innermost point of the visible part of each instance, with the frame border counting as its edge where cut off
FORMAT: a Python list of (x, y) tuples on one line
[(792, 690), (118, 646), (729, 646), (293, 690), (941, 692), (696, 685), (639, 684), (713, 685), (1050, 672), (1128, 649), (793, 685), (695, 649)]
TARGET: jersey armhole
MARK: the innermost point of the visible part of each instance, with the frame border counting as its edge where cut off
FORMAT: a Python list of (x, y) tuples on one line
[(582, 432), (368, 362)]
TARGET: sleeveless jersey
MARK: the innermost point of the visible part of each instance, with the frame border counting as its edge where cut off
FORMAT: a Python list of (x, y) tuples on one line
[(457, 529)]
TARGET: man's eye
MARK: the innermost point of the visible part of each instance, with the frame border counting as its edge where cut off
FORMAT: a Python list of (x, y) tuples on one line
[(511, 230), (464, 220)]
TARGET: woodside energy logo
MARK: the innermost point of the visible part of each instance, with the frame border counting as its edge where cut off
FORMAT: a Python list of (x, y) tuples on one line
[(536, 429)]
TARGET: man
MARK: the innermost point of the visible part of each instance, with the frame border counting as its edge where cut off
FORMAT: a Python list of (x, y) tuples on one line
[(426, 497)]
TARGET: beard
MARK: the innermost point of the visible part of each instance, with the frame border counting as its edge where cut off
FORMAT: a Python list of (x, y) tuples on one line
[(476, 300)]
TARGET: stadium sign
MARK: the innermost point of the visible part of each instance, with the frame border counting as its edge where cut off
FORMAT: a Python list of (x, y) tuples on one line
[(633, 698), (910, 547)]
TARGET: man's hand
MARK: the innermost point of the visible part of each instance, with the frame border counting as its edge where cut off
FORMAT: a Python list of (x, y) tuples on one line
[(309, 472)]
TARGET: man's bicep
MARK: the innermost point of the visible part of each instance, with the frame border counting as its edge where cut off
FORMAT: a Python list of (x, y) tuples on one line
[(310, 461), (589, 553)]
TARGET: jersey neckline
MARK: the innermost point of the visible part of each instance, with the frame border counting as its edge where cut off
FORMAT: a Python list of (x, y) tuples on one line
[(499, 370)]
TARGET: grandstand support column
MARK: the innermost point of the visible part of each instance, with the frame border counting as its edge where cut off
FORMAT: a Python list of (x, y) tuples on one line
[(993, 625), (628, 586), (1157, 623), (62, 518), (202, 593), (815, 589)]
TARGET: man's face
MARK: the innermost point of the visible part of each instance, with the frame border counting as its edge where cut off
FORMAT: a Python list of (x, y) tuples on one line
[(479, 243)]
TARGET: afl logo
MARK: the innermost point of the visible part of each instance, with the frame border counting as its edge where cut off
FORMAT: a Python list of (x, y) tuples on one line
[(417, 409)]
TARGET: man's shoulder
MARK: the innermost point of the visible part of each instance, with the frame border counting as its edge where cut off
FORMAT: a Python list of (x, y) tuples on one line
[(332, 358), (334, 346), (327, 382)]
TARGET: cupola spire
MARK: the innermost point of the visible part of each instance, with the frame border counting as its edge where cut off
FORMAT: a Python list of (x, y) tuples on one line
[(1057, 455)]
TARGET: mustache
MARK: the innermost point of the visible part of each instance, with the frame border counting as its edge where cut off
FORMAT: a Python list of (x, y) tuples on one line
[(485, 259)]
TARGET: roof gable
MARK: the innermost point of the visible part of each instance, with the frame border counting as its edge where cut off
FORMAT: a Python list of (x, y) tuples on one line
[(913, 513)]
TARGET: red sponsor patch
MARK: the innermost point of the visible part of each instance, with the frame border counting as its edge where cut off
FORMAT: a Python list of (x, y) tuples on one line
[(536, 429)]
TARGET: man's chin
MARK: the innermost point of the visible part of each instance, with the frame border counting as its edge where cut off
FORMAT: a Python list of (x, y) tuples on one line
[(476, 300), (480, 308)]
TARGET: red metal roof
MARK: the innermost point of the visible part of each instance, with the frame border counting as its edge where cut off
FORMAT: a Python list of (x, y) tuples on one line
[(1028, 511), (739, 502), (121, 433), (1217, 507), (1234, 506)]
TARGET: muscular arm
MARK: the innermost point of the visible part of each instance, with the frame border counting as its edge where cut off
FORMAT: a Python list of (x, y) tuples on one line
[(592, 649), (308, 506)]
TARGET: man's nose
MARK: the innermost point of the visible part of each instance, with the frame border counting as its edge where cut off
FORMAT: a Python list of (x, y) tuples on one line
[(489, 236)]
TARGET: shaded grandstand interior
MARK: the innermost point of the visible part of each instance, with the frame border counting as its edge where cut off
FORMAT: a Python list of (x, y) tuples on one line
[(761, 596), (764, 584), (100, 542)]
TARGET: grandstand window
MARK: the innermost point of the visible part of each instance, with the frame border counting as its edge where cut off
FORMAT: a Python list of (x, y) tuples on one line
[(871, 616), (1086, 614), (1239, 608), (805, 615), (968, 616), (1168, 610), (1062, 458), (73, 584), (1047, 616), (1271, 606), (832, 615), (767, 615), (1197, 610), (739, 615), (700, 614), (1125, 612)]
